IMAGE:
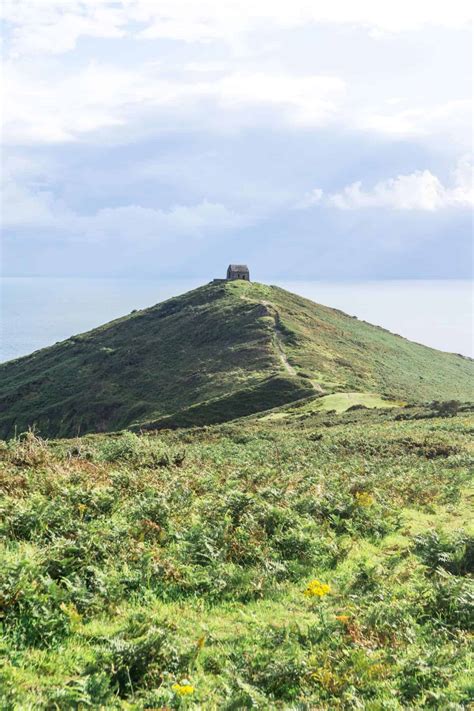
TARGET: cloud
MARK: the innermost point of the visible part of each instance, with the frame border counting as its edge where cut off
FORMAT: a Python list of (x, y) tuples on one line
[(134, 222), (149, 119), (27, 207), (66, 104), (71, 104), (420, 190), (310, 100), (226, 66), (452, 117), (54, 27), (314, 197)]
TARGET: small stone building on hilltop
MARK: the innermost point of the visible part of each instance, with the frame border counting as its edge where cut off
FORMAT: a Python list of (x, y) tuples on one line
[(238, 271)]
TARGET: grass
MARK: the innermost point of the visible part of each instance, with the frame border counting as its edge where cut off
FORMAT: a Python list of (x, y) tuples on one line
[(337, 402), (217, 353), (340, 402), (169, 569), (272, 392)]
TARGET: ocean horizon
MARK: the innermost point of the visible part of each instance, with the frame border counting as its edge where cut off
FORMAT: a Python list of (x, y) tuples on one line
[(37, 312)]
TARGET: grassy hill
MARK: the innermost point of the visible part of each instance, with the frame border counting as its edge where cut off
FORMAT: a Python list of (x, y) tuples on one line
[(213, 354), (316, 563)]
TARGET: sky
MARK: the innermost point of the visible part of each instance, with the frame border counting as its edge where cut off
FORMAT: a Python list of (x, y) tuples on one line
[(310, 140)]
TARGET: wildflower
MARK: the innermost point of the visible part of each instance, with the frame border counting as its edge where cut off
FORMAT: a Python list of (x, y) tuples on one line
[(342, 618), (184, 689), (364, 499), (317, 589)]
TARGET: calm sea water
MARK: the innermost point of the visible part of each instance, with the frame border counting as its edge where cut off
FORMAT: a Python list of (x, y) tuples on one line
[(37, 312)]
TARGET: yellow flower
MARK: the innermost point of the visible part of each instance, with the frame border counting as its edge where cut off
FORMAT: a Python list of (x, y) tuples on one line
[(317, 589), (184, 689), (342, 618), (364, 499)]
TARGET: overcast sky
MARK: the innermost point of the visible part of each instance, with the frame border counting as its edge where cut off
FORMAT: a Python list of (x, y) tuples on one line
[(312, 140)]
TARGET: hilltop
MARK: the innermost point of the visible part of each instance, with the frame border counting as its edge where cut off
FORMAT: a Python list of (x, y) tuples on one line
[(222, 351)]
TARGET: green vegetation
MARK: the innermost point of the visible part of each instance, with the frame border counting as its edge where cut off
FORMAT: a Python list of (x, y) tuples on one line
[(214, 354), (338, 402), (276, 528), (318, 561)]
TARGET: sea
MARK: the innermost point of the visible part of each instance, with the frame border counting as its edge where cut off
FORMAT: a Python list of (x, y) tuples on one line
[(38, 311)]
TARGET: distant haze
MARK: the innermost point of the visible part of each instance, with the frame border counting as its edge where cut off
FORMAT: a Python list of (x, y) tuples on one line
[(37, 312)]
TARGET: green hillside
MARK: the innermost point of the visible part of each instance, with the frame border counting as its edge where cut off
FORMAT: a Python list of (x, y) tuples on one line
[(213, 354)]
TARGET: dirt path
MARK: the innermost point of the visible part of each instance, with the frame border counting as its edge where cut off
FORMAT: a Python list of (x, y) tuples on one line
[(281, 351), (279, 345), (277, 338)]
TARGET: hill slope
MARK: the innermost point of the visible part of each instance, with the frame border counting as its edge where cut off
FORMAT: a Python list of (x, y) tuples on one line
[(216, 353)]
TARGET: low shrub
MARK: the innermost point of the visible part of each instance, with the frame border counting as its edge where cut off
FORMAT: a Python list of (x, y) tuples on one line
[(453, 552), (32, 606), (449, 600)]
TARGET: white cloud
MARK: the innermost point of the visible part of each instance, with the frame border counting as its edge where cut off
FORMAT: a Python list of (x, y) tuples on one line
[(24, 207), (254, 63), (44, 105), (58, 108), (309, 100), (312, 198), (209, 18), (136, 222), (54, 26), (453, 117), (244, 70), (420, 190), (42, 210), (27, 204), (68, 105)]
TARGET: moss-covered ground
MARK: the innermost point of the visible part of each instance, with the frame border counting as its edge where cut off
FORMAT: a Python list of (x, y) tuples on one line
[(323, 562)]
